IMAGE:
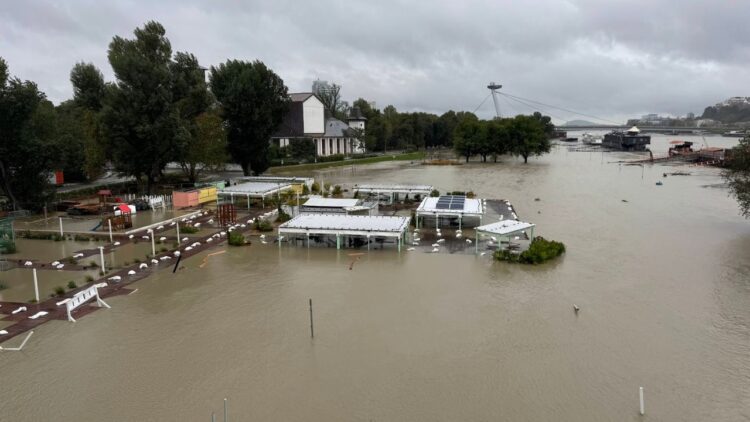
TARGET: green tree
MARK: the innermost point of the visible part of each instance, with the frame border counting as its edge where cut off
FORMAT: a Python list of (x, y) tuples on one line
[(445, 125), (140, 119), (89, 90), (498, 136), (737, 175), (254, 100), (469, 138), (201, 136), (527, 137), (546, 121), (301, 149), (69, 139), (24, 157), (205, 148)]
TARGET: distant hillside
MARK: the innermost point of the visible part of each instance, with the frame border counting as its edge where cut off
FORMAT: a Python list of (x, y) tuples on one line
[(580, 123), (728, 113)]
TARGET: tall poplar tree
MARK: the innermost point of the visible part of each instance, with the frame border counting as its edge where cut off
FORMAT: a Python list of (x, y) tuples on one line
[(253, 101), (139, 117)]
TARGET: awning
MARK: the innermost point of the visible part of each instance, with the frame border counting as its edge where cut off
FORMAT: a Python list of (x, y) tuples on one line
[(123, 208)]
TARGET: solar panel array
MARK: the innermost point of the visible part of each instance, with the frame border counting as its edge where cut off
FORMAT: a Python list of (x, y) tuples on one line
[(451, 202)]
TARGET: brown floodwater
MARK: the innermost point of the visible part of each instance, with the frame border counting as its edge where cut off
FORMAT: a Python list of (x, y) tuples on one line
[(662, 280)]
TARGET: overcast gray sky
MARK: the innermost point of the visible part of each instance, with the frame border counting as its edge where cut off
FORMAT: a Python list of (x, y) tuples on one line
[(613, 59)]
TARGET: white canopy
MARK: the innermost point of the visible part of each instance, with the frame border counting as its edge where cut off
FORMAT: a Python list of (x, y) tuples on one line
[(395, 188), (471, 207), (357, 225), (505, 227), (319, 201), (254, 189), (634, 129)]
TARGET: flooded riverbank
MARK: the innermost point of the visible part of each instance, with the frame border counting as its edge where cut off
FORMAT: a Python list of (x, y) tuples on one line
[(662, 282)]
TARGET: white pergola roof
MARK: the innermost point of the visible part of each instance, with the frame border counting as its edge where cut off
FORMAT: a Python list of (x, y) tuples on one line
[(319, 201), (278, 179), (396, 188), (254, 189), (358, 225), (505, 227), (472, 207)]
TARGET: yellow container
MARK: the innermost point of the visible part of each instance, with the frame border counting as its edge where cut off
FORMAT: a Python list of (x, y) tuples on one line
[(207, 194)]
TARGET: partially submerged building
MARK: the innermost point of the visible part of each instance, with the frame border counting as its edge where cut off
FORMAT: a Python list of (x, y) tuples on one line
[(350, 206), (253, 190), (345, 230), (450, 210), (394, 192)]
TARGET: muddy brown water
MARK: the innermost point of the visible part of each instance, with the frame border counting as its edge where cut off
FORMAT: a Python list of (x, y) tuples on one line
[(663, 283)]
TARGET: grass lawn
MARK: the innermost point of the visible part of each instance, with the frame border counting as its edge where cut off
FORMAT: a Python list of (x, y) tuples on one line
[(315, 166)]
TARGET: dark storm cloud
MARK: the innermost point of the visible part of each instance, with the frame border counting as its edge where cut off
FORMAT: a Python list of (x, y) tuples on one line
[(613, 59)]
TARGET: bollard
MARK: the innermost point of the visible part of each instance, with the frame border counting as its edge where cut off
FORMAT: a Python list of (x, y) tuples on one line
[(61, 228), (640, 392), (109, 223), (36, 287), (312, 331), (101, 255), (153, 245), (178, 233), (225, 410)]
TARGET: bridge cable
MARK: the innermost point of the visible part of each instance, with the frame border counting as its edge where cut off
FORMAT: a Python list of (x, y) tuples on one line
[(559, 108)]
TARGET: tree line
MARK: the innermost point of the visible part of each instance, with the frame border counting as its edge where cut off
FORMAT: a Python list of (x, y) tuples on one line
[(164, 107)]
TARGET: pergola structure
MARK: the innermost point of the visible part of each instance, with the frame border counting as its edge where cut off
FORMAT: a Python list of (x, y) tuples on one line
[(291, 180), (321, 205), (450, 208), (346, 226), (394, 189), (255, 190), (503, 228)]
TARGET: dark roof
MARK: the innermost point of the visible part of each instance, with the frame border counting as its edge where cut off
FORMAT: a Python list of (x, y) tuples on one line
[(300, 96), (356, 114), (293, 125), (335, 128)]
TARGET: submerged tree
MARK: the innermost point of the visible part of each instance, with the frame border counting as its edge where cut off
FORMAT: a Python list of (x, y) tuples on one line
[(24, 133), (737, 175), (527, 137), (253, 101)]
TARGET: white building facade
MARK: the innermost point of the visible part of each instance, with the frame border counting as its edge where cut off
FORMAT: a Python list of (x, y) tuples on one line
[(306, 120)]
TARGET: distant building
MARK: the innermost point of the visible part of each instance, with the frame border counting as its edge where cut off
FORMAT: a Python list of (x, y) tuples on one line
[(306, 120), (690, 116), (734, 101)]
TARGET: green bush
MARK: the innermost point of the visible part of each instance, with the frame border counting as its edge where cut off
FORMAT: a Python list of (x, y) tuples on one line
[(3, 286), (60, 291), (236, 239), (89, 279), (282, 217), (328, 159), (435, 193), (539, 251), (337, 191), (72, 285), (263, 225), (9, 248), (305, 189), (316, 187), (189, 229)]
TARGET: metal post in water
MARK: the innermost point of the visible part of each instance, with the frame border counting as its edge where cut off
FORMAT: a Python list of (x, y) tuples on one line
[(101, 255), (61, 228), (225, 410), (213, 417), (640, 393), (153, 244), (312, 331), (109, 223), (36, 286), (178, 232)]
